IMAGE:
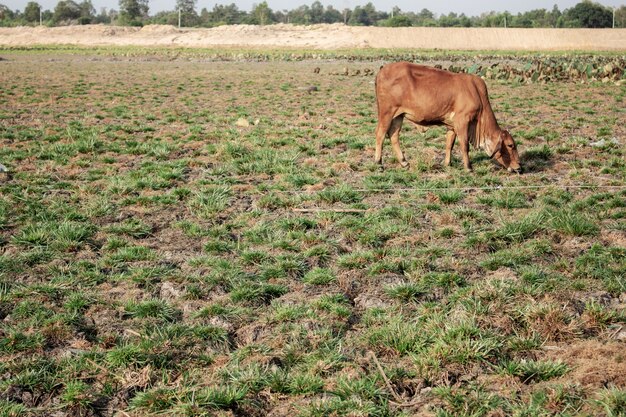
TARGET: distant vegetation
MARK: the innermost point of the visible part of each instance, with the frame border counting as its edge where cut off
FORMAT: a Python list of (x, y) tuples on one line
[(585, 14)]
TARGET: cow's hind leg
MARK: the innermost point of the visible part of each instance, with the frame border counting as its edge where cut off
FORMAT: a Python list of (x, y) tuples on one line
[(450, 138), (394, 134), (384, 123)]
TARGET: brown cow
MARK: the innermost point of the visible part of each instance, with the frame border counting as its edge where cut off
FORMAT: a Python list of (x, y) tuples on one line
[(428, 96)]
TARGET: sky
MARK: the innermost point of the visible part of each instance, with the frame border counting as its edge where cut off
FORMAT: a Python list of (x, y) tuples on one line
[(470, 8)]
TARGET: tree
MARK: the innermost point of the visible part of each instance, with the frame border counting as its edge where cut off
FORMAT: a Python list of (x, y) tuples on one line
[(398, 20), (225, 15), (489, 20), (533, 19), (454, 20), (364, 16), (113, 15), (168, 17), (261, 14), (187, 8), (66, 11), (205, 17), (31, 12), (317, 12), (425, 18), (346, 15), (588, 15), (507, 17), (300, 16), (132, 11), (620, 17), (358, 17), (6, 13), (553, 16), (87, 12), (281, 16), (103, 17), (332, 15)]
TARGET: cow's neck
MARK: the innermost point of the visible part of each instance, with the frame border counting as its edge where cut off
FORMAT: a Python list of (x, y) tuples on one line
[(487, 128)]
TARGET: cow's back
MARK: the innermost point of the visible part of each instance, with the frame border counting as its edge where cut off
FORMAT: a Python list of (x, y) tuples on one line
[(427, 93), (406, 74), (404, 83), (428, 90)]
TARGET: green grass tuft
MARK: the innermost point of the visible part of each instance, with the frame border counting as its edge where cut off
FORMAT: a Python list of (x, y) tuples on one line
[(534, 371)]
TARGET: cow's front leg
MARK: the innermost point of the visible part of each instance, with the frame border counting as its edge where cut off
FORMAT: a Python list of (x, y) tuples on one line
[(450, 138), (394, 134), (464, 142), (462, 130), (378, 156)]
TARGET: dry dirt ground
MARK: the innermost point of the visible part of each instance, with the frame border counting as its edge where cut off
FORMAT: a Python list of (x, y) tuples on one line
[(125, 150), (335, 36)]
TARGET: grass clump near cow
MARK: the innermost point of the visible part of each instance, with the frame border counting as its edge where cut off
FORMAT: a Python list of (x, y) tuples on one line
[(151, 261)]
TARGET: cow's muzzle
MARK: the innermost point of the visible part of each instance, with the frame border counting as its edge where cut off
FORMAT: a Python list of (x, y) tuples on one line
[(518, 170)]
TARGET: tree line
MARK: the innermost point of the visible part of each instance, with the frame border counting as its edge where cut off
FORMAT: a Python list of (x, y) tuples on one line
[(586, 14)]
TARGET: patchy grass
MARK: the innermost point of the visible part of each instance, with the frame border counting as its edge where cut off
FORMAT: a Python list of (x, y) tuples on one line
[(152, 262)]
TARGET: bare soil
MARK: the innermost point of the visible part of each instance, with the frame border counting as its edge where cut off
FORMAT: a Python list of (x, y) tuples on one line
[(324, 36), (594, 363)]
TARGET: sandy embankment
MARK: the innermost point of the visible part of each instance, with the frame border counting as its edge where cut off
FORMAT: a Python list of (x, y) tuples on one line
[(335, 36)]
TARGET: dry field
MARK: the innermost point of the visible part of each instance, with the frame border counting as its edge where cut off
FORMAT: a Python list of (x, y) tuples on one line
[(325, 37), (185, 236)]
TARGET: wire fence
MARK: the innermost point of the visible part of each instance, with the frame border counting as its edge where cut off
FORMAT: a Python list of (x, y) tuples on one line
[(467, 189), (435, 189)]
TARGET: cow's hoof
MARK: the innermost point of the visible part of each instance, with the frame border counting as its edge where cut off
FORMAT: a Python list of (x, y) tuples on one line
[(404, 164), (381, 168)]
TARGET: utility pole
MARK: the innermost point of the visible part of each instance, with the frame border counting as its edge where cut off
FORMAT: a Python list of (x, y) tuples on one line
[(179, 18), (614, 17), (41, 17)]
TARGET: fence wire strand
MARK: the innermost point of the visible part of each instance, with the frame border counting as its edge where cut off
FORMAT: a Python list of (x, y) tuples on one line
[(485, 188)]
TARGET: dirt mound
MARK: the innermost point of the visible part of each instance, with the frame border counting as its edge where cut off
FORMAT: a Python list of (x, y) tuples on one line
[(159, 30), (496, 38), (333, 36)]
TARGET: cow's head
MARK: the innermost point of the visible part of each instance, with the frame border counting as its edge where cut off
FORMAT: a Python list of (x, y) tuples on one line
[(505, 152)]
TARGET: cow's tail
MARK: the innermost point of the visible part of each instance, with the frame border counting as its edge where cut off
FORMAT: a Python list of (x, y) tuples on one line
[(376, 95), (376, 86)]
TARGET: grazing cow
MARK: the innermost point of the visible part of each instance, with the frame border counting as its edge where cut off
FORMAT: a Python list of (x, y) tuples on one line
[(428, 96)]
